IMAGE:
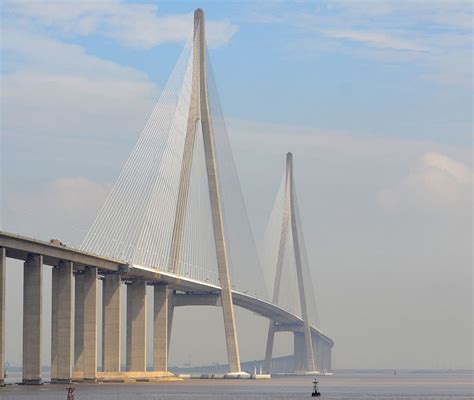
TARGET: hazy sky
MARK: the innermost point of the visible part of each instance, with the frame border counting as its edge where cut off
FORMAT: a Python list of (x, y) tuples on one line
[(374, 99)]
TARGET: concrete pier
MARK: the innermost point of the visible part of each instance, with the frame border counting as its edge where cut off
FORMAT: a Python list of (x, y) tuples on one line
[(269, 346), (90, 324), (136, 326), (160, 327), (79, 323), (299, 352), (32, 300), (171, 291), (61, 323), (170, 316), (111, 322), (317, 345), (3, 265)]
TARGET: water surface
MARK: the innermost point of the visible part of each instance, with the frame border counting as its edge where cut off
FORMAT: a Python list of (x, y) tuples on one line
[(341, 386)]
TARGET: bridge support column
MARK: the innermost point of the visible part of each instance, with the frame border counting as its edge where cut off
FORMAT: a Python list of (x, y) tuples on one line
[(78, 323), (111, 322), (317, 343), (299, 352), (90, 324), (170, 316), (61, 323), (328, 359), (269, 349), (324, 357), (85, 325), (32, 297), (136, 326), (160, 327), (3, 265)]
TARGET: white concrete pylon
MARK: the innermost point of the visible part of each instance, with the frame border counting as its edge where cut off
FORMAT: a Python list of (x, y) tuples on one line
[(199, 113), (303, 352)]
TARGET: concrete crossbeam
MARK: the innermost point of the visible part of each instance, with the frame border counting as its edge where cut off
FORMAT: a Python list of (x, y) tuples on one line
[(136, 326), (160, 327), (111, 322), (32, 300), (61, 323), (3, 266)]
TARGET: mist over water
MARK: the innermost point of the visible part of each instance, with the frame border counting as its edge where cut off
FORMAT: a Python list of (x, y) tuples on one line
[(341, 386)]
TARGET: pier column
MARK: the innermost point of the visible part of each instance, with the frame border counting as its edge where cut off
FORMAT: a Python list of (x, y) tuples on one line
[(315, 340), (90, 323), (299, 352), (160, 327), (328, 358), (318, 352), (79, 323), (326, 349), (170, 316), (3, 265), (61, 323), (269, 347), (111, 322), (32, 297), (136, 326)]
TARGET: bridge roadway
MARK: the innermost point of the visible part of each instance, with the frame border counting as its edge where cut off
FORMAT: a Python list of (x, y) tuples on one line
[(187, 292)]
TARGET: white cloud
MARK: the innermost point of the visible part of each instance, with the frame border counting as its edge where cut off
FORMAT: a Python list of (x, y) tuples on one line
[(58, 89), (64, 208), (375, 39), (435, 181), (434, 36), (135, 25)]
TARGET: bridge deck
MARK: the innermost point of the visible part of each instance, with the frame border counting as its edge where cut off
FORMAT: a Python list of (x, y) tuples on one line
[(20, 247)]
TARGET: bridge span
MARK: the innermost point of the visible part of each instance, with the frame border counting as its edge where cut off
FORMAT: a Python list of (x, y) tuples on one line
[(72, 266)]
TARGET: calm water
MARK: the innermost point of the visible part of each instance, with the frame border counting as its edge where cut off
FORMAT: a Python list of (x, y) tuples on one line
[(433, 386)]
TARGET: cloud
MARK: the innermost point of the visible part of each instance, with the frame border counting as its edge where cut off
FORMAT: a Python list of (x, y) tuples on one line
[(57, 89), (136, 25), (63, 208), (375, 39), (433, 36), (436, 181)]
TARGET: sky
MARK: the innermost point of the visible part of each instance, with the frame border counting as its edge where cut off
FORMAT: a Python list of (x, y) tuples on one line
[(373, 98)]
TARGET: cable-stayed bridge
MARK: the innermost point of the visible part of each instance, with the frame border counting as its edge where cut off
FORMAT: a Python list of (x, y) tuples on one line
[(174, 219)]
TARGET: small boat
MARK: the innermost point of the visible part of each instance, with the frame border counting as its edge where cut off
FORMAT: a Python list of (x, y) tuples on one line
[(316, 392)]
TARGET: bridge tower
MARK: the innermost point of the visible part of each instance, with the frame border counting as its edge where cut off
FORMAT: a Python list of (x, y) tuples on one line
[(303, 352), (199, 115)]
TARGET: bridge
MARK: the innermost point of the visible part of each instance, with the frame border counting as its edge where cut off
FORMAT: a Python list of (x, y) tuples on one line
[(175, 220)]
